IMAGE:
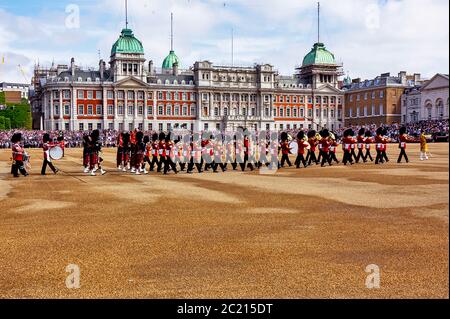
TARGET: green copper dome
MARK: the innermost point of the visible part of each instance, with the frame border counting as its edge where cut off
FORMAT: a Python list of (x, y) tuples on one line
[(170, 60), (319, 55), (127, 43)]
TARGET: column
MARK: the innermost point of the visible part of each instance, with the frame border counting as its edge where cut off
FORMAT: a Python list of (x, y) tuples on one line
[(145, 113), (52, 117), (125, 110), (135, 124), (61, 111), (116, 120), (73, 110), (105, 108)]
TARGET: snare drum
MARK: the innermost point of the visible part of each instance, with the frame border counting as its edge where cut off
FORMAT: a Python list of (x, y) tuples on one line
[(56, 153)]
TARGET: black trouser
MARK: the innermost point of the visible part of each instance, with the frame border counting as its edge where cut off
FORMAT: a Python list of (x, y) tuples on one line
[(18, 166), (311, 157), (300, 160), (320, 156), (153, 162), (332, 157), (44, 166), (182, 165), (347, 157), (353, 154), (223, 166), (379, 158), (285, 158), (402, 154), (325, 158), (161, 161), (246, 163), (168, 163), (146, 160), (368, 155), (191, 166), (360, 155), (384, 156)]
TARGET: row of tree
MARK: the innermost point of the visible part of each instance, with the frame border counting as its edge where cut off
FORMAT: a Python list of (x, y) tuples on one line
[(15, 116)]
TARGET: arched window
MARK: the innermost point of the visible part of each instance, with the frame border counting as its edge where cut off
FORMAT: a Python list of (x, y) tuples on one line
[(294, 112), (428, 107), (225, 111), (439, 108), (288, 112)]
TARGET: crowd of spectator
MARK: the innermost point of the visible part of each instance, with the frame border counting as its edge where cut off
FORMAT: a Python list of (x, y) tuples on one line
[(33, 139)]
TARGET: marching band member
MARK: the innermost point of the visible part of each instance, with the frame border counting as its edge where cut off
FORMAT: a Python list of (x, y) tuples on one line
[(379, 146), (169, 155), (423, 146), (285, 149), (368, 141), (17, 156), (196, 154), (148, 151), (385, 141), (360, 145), (139, 151), (333, 148), (246, 163), (311, 157), (94, 151), (319, 145), (161, 151), (302, 145), (347, 143), (154, 152), (46, 145), (61, 142), (325, 147), (86, 154), (119, 157), (403, 138), (230, 151), (133, 150), (125, 151), (218, 155)]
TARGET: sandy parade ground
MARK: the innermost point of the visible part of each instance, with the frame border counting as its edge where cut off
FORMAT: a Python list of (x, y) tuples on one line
[(307, 233)]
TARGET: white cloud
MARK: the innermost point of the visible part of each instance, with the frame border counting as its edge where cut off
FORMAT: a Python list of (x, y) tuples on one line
[(369, 36)]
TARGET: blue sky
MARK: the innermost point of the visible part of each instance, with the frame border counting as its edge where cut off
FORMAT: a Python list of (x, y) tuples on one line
[(368, 36)]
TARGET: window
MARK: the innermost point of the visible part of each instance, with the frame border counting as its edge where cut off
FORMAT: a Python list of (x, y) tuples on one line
[(357, 111), (288, 112), (66, 94), (99, 109), (120, 127), (358, 97), (160, 127), (205, 127), (225, 111), (302, 112), (381, 94), (120, 110), (294, 99), (365, 110), (140, 95), (266, 112), (124, 68), (130, 126), (110, 95), (81, 127), (351, 98), (110, 126), (66, 109), (373, 109), (150, 110), (150, 127), (80, 94), (99, 126), (325, 112), (216, 111), (193, 110), (56, 109), (350, 112), (169, 109), (99, 95), (80, 109), (130, 109), (168, 96), (253, 112), (140, 110), (294, 112), (309, 99), (317, 112), (135, 68), (160, 95), (90, 95), (373, 95), (281, 112), (381, 109), (110, 110), (185, 110), (120, 95), (56, 94), (365, 96), (160, 110), (140, 126), (339, 114), (90, 126), (176, 111), (310, 112), (130, 95), (332, 113), (90, 110), (184, 97)]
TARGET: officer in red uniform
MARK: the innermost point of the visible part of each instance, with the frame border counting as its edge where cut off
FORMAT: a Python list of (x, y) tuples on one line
[(285, 150), (161, 151), (360, 145), (325, 147), (17, 155), (403, 138), (333, 148), (246, 162), (368, 141), (379, 146), (302, 145), (385, 141), (139, 152), (311, 157), (169, 155), (347, 143), (154, 152), (46, 145)]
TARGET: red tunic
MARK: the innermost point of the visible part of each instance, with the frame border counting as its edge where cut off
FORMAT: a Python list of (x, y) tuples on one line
[(325, 144), (301, 146), (368, 141), (17, 152), (312, 141), (360, 141), (379, 142), (285, 148), (347, 143), (403, 141), (162, 149)]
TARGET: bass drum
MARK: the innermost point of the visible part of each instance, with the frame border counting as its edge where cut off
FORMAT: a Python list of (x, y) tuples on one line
[(294, 147), (56, 153)]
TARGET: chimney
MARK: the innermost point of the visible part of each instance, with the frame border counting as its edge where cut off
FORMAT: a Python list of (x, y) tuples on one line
[(175, 68), (416, 78), (72, 67), (402, 77), (150, 67), (101, 67)]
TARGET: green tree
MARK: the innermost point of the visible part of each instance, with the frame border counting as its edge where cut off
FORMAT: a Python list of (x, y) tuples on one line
[(7, 123), (2, 122)]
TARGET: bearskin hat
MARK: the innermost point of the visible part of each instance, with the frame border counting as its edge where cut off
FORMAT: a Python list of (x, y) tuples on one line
[(162, 136), (126, 138), (46, 138), (146, 139), (361, 131), (348, 132), (311, 134), (301, 135), (16, 137), (155, 137), (325, 133), (284, 136), (139, 136), (380, 131), (385, 131), (402, 130), (368, 133), (95, 135)]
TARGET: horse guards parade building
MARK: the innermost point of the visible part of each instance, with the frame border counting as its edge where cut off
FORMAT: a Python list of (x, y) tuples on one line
[(130, 93)]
